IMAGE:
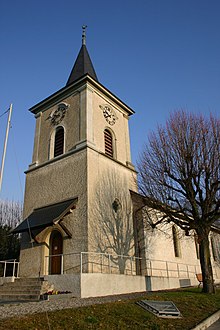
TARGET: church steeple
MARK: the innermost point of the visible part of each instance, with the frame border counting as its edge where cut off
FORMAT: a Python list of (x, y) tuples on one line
[(83, 64)]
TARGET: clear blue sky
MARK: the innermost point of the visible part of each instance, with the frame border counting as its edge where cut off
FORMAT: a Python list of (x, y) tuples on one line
[(155, 55)]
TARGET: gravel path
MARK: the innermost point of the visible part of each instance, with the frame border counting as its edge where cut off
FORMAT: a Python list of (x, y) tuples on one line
[(57, 303)]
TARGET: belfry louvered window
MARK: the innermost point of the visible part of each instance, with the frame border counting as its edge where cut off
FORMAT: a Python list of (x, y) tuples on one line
[(108, 143), (59, 142)]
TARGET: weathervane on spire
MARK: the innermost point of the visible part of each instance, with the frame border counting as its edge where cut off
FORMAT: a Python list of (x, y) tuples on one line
[(84, 34)]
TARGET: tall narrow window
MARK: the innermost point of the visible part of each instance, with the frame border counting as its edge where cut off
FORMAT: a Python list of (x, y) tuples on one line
[(214, 248), (59, 142), (196, 245), (108, 143), (176, 244)]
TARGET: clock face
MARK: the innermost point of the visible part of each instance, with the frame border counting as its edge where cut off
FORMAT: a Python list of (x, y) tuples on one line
[(59, 114), (109, 114)]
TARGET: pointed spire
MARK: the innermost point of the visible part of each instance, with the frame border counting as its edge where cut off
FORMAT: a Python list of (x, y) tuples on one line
[(83, 64)]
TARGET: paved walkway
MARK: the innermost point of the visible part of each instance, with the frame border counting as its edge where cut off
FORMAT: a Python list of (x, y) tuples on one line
[(57, 302), (215, 326), (208, 323)]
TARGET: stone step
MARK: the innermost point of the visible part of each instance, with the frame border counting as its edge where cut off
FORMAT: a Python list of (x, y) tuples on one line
[(19, 279), (12, 289), (22, 289), (22, 281), (19, 297), (18, 291), (22, 284), (18, 285)]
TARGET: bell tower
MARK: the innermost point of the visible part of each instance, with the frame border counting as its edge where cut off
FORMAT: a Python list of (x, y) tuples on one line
[(81, 167)]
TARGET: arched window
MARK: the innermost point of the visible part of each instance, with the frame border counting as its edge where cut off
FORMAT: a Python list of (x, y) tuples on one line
[(59, 141), (176, 243), (108, 143)]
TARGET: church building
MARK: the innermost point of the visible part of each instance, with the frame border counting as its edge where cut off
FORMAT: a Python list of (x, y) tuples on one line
[(83, 230), (79, 179)]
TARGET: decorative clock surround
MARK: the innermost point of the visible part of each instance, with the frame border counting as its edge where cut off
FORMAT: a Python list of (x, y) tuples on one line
[(57, 116), (109, 114)]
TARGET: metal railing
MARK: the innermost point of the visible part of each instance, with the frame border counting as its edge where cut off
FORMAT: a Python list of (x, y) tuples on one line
[(171, 269), (9, 268), (92, 262)]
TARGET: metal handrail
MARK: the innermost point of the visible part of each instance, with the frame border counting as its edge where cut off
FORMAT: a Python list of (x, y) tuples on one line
[(15, 272), (189, 269)]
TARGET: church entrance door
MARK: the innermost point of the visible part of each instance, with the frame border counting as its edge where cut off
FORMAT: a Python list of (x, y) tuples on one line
[(56, 249)]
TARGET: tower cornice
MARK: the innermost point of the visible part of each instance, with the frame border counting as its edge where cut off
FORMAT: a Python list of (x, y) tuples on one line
[(74, 87)]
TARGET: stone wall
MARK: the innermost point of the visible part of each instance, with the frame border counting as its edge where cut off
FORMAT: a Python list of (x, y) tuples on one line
[(95, 285)]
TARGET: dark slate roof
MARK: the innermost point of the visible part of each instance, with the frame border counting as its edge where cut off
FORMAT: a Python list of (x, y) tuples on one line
[(82, 66), (45, 216)]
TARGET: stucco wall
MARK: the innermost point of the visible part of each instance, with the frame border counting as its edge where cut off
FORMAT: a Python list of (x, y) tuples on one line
[(159, 249), (164, 283), (66, 178), (66, 283), (94, 285), (159, 245), (108, 178), (109, 181), (62, 179)]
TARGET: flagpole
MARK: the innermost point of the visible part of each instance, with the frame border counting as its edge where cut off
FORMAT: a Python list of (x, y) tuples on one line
[(5, 146)]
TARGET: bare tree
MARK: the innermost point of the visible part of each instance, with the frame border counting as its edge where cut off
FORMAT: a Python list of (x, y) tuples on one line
[(113, 224), (10, 213), (180, 176), (10, 217)]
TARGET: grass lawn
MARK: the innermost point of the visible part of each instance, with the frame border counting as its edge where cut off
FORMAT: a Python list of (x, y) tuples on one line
[(193, 305)]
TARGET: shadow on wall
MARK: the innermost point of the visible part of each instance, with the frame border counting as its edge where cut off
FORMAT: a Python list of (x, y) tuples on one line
[(112, 228)]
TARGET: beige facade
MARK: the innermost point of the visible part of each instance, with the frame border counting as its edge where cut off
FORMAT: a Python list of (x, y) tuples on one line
[(83, 171), (169, 258)]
